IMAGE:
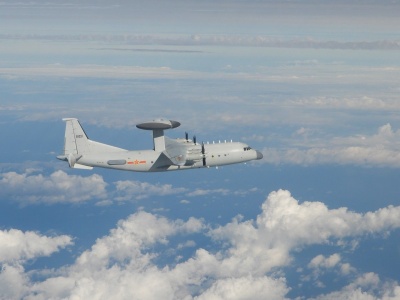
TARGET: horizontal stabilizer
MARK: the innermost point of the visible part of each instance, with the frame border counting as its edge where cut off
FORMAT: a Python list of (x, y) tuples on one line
[(72, 162), (83, 167)]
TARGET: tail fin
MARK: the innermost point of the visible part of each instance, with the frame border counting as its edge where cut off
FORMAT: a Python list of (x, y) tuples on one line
[(76, 143)]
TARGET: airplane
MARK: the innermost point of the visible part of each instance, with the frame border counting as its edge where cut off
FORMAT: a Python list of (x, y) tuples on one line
[(167, 155)]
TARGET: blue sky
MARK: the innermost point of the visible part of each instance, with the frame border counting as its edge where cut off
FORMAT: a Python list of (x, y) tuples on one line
[(314, 85)]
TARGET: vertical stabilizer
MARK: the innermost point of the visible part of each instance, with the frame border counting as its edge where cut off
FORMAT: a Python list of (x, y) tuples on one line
[(76, 141)]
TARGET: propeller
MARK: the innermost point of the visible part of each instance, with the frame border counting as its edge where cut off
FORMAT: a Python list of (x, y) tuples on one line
[(203, 152)]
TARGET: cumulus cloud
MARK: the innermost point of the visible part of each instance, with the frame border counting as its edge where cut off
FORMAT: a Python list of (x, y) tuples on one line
[(366, 286), (380, 149), (58, 187), (300, 224), (247, 262), (246, 288), (325, 262), (322, 264), (16, 247)]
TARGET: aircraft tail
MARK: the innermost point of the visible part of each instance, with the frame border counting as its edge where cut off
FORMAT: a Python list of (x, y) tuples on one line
[(76, 143)]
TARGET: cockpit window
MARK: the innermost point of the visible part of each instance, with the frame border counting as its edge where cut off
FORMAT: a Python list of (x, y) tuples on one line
[(247, 148)]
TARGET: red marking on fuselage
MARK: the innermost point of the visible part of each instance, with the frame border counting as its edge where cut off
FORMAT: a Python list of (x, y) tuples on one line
[(136, 162)]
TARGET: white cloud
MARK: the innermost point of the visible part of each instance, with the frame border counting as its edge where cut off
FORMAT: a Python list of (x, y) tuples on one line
[(380, 149), (29, 188), (14, 283), (321, 261), (366, 286), (352, 103), (321, 264), (135, 190), (58, 187), (129, 189), (284, 225), (125, 243), (204, 192), (247, 264), (189, 243), (16, 247), (123, 41), (262, 288)]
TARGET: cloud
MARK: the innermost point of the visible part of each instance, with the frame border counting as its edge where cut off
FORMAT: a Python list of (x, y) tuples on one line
[(366, 286), (321, 265), (246, 262), (380, 149), (284, 224), (367, 103), (125, 244), (227, 40), (321, 261), (204, 192), (136, 190), (16, 247), (29, 188), (59, 187), (246, 288), (128, 190)]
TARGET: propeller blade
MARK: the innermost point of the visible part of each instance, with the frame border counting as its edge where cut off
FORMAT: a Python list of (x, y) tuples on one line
[(194, 139), (203, 152), (186, 136)]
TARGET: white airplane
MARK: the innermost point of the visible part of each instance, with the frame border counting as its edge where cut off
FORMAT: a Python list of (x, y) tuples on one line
[(168, 154)]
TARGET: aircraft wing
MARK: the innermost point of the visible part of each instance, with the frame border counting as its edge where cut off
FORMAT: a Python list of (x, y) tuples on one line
[(184, 152), (175, 151)]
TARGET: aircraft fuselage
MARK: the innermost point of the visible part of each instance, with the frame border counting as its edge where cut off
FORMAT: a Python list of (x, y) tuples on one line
[(152, 161)]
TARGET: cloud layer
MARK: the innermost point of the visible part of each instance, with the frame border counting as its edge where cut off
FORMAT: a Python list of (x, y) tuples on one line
[(247, 259), (28, 188), (208, 40), (381, 149), (58, 187)]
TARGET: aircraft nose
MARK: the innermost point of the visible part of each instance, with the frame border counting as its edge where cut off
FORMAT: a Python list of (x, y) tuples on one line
[(259, 155)]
